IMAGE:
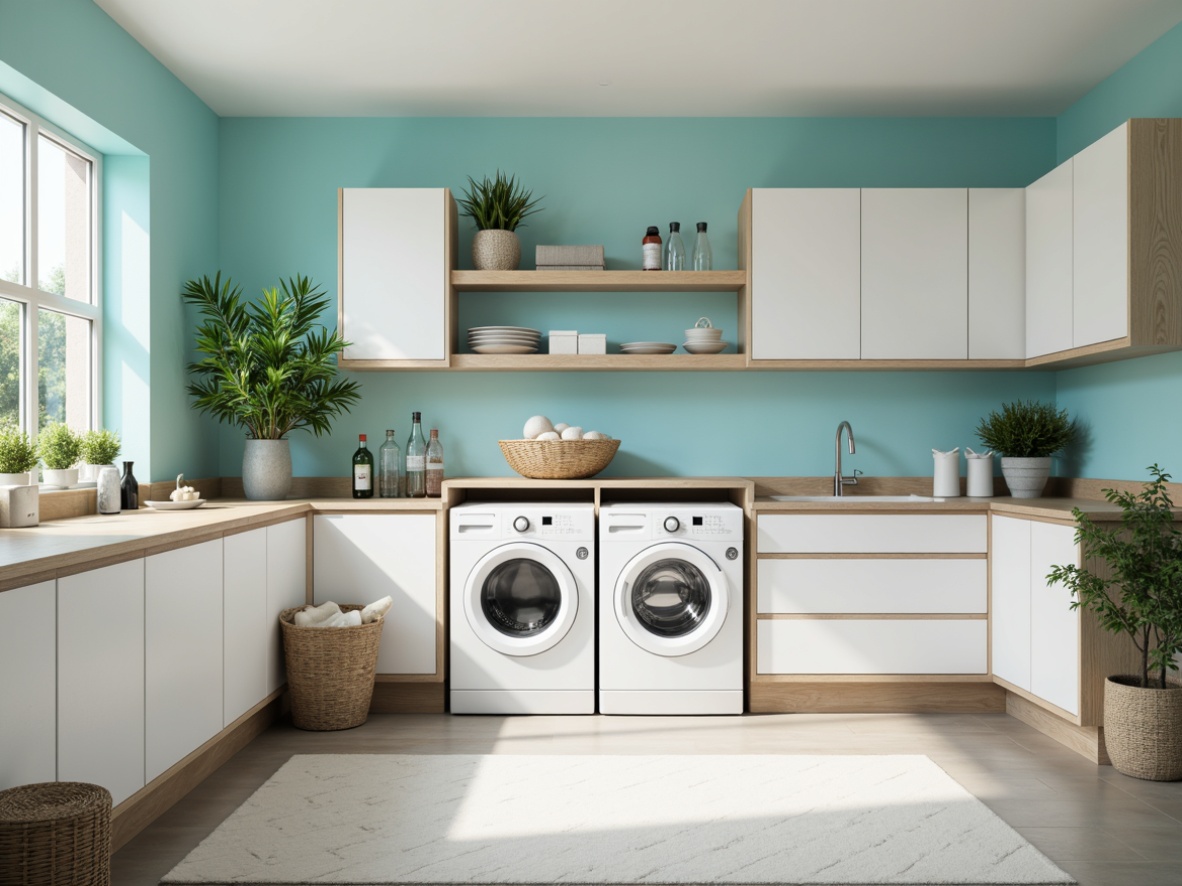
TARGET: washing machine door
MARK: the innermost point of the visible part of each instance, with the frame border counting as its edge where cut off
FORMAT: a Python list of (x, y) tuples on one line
[(671, 599), (521, 599)]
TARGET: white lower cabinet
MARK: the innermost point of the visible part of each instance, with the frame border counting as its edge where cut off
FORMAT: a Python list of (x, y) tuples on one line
[(872, 646), (287, 587), (100, 678), (28, 706), (244, 616), (359, 558), (183, 652)]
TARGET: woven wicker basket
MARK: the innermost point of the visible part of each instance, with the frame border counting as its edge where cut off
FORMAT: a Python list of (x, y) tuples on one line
[(330, 671), (56, 832), (1143, 728), (559, 459)]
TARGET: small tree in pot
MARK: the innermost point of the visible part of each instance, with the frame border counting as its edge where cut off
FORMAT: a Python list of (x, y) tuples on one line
[(1142, 597), (1026, 434)]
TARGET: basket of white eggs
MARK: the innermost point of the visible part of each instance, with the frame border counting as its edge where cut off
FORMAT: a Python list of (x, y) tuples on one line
[(558, 451)]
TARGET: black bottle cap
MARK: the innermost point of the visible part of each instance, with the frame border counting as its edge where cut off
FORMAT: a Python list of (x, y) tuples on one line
[(416, 416), (674, 227), (701, 226), (652, 230)]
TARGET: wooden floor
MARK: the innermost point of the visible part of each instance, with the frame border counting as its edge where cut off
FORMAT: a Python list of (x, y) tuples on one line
[(1102, 827)]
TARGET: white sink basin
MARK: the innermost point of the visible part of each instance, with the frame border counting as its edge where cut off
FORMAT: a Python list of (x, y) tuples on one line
[(854, 499)]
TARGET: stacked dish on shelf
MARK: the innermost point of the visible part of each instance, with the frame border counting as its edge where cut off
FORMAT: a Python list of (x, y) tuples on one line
[(504, 340), (704, 338), (647, 347)]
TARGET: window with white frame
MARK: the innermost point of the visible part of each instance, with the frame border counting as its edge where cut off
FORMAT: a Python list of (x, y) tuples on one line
[(50, 309)]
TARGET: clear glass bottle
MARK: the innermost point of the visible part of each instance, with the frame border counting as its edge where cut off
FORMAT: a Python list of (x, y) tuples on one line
[(362, 470), (416, 459), (389, 468), (434, 465), (674, 249), (703, 257), (650, 249)]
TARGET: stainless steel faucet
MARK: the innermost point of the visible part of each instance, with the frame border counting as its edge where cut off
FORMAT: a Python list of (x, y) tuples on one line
[(839, 481)]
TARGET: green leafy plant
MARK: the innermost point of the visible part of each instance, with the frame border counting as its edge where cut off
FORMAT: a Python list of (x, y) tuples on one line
[(100, 447), (59, 447), (1025, 429), (500, 203), (267, 366), (1142, 595), (18, 455)]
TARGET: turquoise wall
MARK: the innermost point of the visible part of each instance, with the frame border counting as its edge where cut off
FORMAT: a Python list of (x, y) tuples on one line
[(1130, 409), (67, 61), (604, 181)]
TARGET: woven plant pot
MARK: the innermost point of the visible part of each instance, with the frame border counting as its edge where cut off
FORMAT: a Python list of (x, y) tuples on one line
[(559, 459), (1026, 477), (496, 250), (330, 671), (1143, 728)]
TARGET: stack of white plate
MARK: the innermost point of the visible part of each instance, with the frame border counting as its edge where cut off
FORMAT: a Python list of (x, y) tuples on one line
[(647, 347), (503, 340)]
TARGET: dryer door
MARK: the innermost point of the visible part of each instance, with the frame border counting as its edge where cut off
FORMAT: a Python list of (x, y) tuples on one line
[(521, 599), (671, 599)]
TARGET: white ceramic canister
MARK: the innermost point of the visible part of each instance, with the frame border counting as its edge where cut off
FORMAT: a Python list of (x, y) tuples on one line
[(108, 490), (980, 482), (946, 473)]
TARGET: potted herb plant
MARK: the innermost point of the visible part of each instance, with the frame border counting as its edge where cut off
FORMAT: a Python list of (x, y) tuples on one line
[(1139, 593), (59, 448), (1026, 434), (498, 207), (100, 448), (18, 456), (270, 368)]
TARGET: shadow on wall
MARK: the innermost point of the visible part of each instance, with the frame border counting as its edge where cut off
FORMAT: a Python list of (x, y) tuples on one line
[(1075, 456)]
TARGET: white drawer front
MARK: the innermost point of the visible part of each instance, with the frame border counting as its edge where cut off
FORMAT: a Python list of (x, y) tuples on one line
[(871, 534), (871, 585), (872, 646)]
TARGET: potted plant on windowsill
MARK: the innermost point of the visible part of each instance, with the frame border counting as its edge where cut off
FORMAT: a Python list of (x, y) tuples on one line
[(100, 448), (268, 367), (1140, 594), (498, 206), (18, 456), (1026, 434), (59, 448)]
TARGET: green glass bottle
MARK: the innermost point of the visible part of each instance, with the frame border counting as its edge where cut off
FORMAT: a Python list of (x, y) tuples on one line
[(362, 470)]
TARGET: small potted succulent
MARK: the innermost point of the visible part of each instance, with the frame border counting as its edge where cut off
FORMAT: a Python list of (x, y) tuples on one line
[(498, 207), (100, 448), (59, 448), (1026, 434), (18, 456)]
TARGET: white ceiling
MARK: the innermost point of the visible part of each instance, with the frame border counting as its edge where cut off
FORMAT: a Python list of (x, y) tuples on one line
[(643, 57)]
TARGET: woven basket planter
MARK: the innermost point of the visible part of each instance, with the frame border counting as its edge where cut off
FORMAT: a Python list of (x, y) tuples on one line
[(494, 249), (330, 671), (1143, 728), (56, 832), (559, 459)]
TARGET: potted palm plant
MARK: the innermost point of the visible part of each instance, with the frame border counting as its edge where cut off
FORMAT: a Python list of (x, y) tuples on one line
[(59, 448), (1026, 434), (498, 207), (270, 368), (1139, 593), (18, 456)]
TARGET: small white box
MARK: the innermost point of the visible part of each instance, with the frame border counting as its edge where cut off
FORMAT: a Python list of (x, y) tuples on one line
[(564, 341), (592, 343)]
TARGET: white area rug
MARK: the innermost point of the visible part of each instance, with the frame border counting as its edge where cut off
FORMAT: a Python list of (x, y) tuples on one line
[(418, 819)]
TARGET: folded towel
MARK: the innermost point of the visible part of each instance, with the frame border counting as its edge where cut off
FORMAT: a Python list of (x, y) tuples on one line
[(375, 610), (311, 616)]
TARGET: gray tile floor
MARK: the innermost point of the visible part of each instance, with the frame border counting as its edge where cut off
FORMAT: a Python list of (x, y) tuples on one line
[(1102, 827)]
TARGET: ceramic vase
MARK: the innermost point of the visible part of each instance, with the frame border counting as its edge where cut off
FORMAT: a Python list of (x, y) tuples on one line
[(496, 250), (1143, 729), (1026, 477), (266, 470)]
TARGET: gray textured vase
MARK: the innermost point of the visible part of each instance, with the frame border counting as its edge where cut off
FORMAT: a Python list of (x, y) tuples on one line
[(496, 250), (266, 470), (1026, 477)]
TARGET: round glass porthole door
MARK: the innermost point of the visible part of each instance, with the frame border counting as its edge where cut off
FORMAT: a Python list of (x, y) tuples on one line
[(521, 599), (671, 599)]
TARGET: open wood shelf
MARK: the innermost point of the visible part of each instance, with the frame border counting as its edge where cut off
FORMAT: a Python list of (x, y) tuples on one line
[(597, 362), (598, 281)]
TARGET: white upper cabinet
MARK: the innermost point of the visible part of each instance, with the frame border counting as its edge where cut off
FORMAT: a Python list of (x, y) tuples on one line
[(997, 273), (805, 273), (1101, 233), (914, 273), (1049, 262), (394, 268)]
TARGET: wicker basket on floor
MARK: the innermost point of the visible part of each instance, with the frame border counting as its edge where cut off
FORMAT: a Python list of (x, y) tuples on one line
[(559, 459), (330, 671), (56, 832)]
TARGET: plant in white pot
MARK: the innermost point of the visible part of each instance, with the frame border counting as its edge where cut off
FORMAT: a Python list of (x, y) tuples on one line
[(270, 368), (18, 456), (498, 206), (100, 448), (60, 449), (1137, 591), (1026, 434)]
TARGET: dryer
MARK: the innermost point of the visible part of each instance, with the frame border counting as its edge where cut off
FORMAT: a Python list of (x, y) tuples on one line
[(671, 609), (522, 617)]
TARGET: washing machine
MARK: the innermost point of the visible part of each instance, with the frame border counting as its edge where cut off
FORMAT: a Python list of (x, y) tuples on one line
[(522, 617), (671, 609)]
